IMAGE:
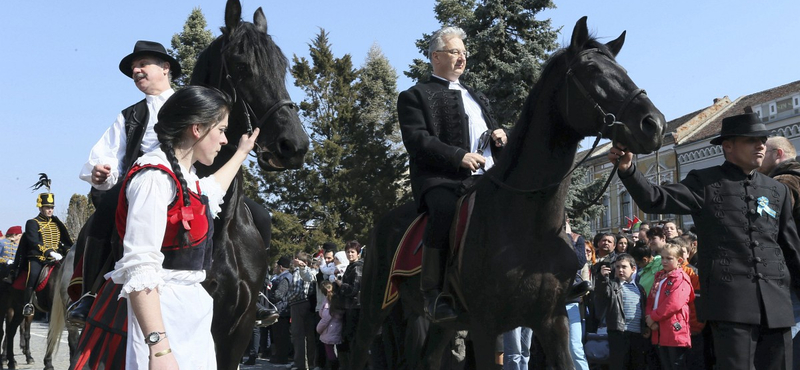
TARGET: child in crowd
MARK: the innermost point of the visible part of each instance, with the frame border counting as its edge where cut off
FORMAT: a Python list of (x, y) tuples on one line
[(330, 325), (624, 301), (667, 312)]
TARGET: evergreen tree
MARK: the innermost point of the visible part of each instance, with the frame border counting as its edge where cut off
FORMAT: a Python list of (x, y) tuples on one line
[(187, 45), (354, 169), (583, 189), (507, 46), (78, 212)]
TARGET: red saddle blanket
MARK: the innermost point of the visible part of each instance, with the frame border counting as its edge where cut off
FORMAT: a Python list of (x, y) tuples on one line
[(407, 259), (19, 282)]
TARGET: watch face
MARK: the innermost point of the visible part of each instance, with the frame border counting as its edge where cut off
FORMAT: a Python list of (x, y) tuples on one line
[(153, 337)]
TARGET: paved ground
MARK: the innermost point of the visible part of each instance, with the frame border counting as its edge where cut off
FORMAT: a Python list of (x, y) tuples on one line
[(61, 362)]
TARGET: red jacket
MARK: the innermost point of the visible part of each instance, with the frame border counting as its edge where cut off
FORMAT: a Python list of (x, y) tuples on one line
[(672, 314)]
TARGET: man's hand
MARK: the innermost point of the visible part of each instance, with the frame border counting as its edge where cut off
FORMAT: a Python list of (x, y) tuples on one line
[(472, 161), (605, 270), (100, 173), (499, 137), (56, 256), (621, 156)]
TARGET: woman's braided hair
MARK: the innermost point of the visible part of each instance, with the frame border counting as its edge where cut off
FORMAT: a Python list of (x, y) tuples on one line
[(191, 105)]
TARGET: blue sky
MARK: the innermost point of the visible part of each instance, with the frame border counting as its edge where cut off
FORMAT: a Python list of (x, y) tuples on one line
[(61, 87)]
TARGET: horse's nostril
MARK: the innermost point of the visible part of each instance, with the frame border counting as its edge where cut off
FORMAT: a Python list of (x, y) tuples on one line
[(650, 126), (286, 147)]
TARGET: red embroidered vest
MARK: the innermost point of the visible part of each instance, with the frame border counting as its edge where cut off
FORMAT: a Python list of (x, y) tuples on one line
[(195, 218)]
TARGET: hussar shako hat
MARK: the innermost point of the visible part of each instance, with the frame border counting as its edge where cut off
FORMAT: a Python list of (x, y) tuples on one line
[(747, 124), (44, 199), (144, 48)]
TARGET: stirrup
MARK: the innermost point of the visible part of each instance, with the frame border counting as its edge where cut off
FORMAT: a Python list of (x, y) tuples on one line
[(27, 310), (432, 315)]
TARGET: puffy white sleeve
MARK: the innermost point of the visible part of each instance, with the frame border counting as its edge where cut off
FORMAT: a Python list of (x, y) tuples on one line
[(212, 189), (110, 150), (149, 195)]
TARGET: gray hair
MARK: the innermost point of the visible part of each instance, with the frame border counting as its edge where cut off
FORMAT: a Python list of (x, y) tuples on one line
[(439, 37)]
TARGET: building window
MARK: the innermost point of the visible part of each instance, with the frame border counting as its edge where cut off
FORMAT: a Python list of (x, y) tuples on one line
[(624, 207)]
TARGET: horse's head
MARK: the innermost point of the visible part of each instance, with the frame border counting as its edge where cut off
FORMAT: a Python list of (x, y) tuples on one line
[(601, 97), (249, 66)]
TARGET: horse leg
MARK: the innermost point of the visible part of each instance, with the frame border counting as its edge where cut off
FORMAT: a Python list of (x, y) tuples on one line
[(554, 332), (435, 345), (11, 332), (484, 345), (25, 331), (73, 336)]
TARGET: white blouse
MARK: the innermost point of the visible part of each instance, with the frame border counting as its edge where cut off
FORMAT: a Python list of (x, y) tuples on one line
[(149, 194)]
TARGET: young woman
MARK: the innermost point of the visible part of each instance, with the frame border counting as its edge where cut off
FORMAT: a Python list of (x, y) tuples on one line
[(165, 220)]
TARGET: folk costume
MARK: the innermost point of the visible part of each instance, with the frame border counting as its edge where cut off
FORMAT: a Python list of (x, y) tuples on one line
[(44, 241), (8, 248), (441, 121), (748, 257), (151, 217)]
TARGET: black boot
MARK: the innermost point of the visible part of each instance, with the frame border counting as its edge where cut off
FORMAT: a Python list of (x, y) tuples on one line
[(27, 309), (437, 307), (79, 311)]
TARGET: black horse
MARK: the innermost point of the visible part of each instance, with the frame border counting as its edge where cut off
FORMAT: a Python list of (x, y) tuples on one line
[(517, 263), (11, 303), (246, 63)]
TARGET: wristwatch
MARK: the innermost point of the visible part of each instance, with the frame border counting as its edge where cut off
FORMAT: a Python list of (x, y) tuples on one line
[(154, 337)]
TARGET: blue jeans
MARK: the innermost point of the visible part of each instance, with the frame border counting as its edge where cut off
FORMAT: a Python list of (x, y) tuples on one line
[(576, 336), (517, 348)]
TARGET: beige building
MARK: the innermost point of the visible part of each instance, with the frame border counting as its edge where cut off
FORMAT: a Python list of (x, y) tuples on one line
[(686, 147)]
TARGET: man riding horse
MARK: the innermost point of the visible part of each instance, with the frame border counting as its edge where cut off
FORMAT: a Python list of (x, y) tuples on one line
[(131, 136), (442, 146), (45, 240)]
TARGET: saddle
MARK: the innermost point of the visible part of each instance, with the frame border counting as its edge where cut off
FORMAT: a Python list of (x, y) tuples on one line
[(407, 259), (44, 276)]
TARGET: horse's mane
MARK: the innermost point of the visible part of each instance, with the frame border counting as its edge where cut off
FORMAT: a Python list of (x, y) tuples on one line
[(259, 53), (551, 73)]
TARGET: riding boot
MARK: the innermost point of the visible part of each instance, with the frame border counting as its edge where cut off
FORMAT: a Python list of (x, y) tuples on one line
[(437, 307), (27, 310), (78, 311)]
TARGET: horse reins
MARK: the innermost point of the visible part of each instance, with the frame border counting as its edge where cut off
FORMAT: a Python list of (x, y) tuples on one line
[(248, 110), (609, 121)]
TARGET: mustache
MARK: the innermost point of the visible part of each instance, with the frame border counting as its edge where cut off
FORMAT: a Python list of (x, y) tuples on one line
[(139, 76)]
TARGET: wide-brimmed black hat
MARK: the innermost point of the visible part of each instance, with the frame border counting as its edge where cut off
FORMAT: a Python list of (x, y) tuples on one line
[(747, 124), (143, 48)]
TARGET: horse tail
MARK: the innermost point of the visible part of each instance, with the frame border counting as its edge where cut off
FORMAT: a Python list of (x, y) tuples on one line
[(59, 304)]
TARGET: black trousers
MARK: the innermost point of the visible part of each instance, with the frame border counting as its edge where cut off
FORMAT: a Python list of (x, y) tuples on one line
[(34, 269), (441, 203), (747, 346), (627, 350), (673, 358)]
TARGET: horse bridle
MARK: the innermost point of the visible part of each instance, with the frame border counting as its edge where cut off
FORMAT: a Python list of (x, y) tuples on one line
[(248, 110), (609, 121)]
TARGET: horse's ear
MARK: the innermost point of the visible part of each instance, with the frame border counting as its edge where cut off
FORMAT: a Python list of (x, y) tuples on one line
[(233, 14), (615, 45), (260, 20), (580, 34)]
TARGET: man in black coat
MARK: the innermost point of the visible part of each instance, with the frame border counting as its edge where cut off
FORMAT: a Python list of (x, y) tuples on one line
[(748, 257), (450, 136)]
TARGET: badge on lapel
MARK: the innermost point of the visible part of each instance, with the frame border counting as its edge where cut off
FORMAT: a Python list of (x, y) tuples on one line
[(763, 206)]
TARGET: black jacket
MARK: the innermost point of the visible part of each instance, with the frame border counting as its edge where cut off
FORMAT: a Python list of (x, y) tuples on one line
[(609, 299), (31, 245), (747, 255), (435, 131)]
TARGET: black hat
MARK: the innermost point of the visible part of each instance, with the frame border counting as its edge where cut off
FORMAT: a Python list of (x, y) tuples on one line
[(747, 124), (143, 48), (285, 262)]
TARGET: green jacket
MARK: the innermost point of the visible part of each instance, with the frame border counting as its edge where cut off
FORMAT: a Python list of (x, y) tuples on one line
[(647, 275)]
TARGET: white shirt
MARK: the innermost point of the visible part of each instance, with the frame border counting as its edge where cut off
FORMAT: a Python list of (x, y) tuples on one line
[(149, 194), (477, 123), (110, 149)]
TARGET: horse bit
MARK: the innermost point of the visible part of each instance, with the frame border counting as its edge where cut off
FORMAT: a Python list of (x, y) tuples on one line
[(248, 111), (609, 121)]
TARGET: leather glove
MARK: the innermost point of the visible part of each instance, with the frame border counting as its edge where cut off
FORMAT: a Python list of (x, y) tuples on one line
[(56, 256)]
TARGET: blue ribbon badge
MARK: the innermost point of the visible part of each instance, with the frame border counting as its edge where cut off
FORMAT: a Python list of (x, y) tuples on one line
[(763, 206)]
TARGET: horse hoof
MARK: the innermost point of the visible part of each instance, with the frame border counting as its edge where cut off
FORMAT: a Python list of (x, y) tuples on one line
[(30, 361)]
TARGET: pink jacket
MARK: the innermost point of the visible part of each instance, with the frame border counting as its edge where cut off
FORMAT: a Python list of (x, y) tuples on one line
[(330, 324), (672, 314)]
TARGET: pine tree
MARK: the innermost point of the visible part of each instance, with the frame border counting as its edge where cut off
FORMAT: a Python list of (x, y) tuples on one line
[(187, 45), (582, 190), (507, 46)]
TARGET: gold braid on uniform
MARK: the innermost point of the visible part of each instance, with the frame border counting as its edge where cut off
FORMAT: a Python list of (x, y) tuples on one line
[(51, 236)]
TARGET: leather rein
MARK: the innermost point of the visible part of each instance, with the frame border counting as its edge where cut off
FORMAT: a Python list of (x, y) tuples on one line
[(248, 110), (606, 131)]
